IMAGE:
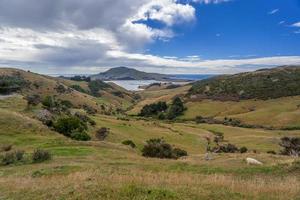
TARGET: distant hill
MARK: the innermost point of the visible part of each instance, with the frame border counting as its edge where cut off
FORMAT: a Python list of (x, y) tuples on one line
[(78, 92), (262, 84), (124, 73)]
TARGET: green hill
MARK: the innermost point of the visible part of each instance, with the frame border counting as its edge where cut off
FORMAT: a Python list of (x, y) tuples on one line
[(262, 84)]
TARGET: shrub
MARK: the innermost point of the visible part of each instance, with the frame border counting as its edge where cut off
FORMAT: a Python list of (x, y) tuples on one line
[(8, 158), (61, 89), (68, 125), (290, 145), (49, 102), (80, 136), (96, 86), (153, 109), (6, 147), (179, 152), (33, 100), (19, 154), (243, 150), (271, 152), (226, 148), (89, 110), (129, 143), (40, 155), (10, 84), (102, 133), (78, 88), (45, 116), (66, 103), (85, 118), (158, 148), (176, 109)]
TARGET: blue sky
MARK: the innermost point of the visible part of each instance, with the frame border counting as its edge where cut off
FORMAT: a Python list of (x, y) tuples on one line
[(240, 28), (166, 36)]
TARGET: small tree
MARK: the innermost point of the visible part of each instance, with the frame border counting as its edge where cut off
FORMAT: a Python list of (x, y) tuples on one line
[(176, 108)]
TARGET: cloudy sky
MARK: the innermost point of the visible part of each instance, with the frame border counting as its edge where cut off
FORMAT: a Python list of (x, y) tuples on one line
[(166, 36)]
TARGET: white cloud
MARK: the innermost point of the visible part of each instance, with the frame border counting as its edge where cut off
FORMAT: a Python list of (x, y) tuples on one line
[(272, 12), (296, 24), (211, 1)]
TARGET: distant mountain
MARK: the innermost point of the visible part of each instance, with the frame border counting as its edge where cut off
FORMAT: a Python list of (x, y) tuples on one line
[(124, 73), (262, 84)]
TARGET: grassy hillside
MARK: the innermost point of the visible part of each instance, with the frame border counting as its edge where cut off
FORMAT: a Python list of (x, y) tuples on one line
[(111, 96), (110, 170), (278, 113), (261, 84)]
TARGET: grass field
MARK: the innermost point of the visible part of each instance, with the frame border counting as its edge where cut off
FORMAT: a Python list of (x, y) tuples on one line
[(110, 170)]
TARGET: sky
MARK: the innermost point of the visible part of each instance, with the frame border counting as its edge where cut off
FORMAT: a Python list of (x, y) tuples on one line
[(164, 36)]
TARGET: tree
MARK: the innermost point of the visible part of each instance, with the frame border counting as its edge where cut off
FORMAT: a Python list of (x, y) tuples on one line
[(69, 125), (176, 109)]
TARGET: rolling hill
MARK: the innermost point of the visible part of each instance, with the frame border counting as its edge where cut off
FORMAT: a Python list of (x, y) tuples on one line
[(262, 84), (79, 93), (124, 73)]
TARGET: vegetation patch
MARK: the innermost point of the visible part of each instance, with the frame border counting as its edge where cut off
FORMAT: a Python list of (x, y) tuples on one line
[(158, 148)]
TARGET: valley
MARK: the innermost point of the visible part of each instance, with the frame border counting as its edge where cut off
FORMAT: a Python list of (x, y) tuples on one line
[(107, 168)]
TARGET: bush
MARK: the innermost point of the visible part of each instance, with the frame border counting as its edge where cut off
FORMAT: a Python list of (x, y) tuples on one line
[(179, 152), (290, 145), (33, 100), (19, 154), (89, 110), (129, 143), (176, 109), (8, 158), (80, 136), (96, 86), (68, 125), (40, 155), (9, 84), (158, 148), (6, 147), (102, 133), (153, 109), (85, 118), (78, 88), (226, 148), (271, 152), (66, 103), (49, 102), (243, 150)]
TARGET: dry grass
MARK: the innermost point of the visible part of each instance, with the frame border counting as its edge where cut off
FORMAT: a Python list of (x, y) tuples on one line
[(89, 181)]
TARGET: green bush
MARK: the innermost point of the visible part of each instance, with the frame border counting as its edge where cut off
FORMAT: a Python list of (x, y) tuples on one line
[(179, 152), (96, 86), (129, 143), (9, 84), (40, 155), (78, 88), (71, 127), (69, 124), (176, 109), (80, 136), (19, 154), (243, 149), (33, 100), (49, 102), (153, 109), (158, 148), (66, 103)]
